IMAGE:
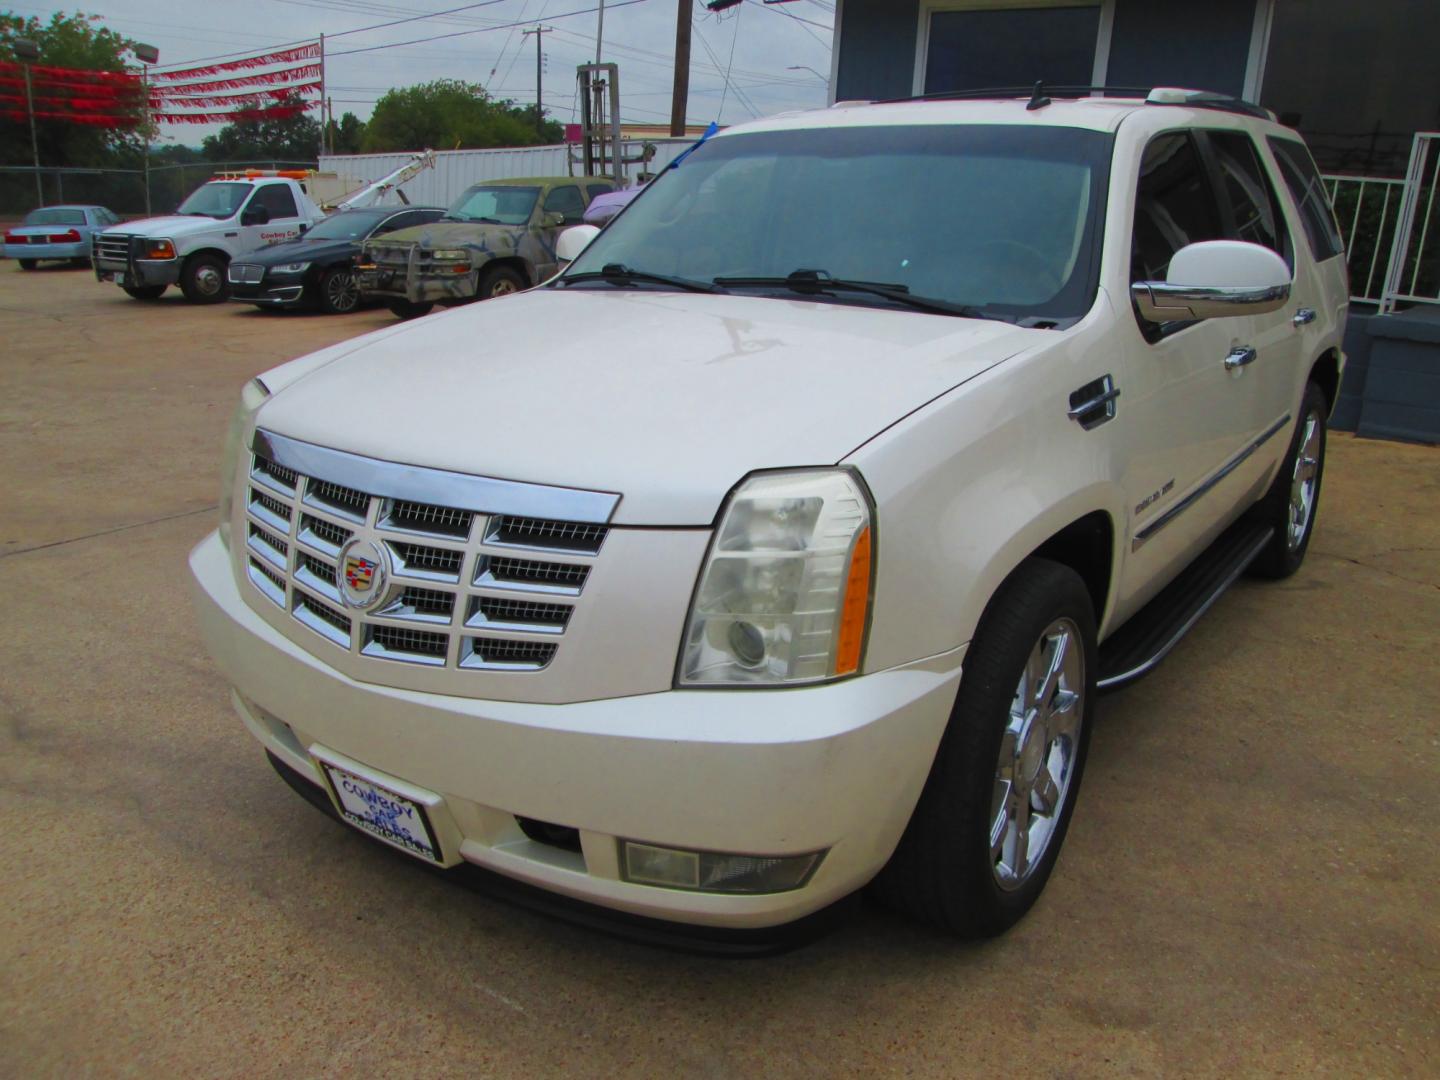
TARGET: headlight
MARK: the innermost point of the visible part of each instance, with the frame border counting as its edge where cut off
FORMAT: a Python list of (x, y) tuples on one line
[(784, 595), (290, 268), (251, 398), (159, 249), (449, 254)]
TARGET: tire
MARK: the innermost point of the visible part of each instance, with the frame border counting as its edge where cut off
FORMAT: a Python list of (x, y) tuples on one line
[(203, 280), (28, 264), (339, 295), (405, 309), (1293, 500), (81, 263), (144, 292), (499, 281), (995, 758)]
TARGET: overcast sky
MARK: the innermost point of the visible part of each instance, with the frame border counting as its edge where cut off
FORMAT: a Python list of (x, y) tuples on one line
[(639, 35)]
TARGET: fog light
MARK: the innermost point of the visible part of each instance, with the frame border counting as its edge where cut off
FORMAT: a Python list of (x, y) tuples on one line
[(707, 871)]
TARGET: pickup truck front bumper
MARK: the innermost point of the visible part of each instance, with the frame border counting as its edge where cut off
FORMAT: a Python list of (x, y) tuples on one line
[(118, 263), (769, 773), (408, 273)]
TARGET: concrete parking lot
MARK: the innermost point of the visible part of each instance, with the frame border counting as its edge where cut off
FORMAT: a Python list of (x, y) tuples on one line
[(1249, 886)]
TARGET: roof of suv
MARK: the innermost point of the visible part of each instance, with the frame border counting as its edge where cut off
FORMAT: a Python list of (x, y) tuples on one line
[(1094, 113)]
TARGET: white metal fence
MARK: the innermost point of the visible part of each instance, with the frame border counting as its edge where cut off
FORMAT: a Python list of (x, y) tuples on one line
[(455, 170), (1392, 243)]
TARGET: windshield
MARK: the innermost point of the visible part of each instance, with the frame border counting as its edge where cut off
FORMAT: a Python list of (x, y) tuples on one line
[(346, 225), (55, 216), (1001, 219), (215, 200), (498, 205)]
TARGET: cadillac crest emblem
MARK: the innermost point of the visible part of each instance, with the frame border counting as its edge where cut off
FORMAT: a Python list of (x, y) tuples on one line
[(363, 574)]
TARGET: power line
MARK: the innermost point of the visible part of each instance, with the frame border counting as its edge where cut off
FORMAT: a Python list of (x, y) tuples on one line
[(480, 30)]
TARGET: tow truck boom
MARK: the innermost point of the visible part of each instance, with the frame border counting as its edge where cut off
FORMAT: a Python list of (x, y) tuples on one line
[(373, 192)]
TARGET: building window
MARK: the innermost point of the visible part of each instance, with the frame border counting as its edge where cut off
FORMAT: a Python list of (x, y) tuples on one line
[(986, 45)]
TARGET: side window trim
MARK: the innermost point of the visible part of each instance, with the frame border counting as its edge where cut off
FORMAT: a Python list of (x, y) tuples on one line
[(1211, 160)]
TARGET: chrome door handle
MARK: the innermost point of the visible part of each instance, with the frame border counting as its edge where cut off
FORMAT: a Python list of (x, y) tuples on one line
[(1303, 316), (1240, 356)]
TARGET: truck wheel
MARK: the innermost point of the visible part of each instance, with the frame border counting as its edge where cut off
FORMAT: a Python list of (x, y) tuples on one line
[(203, 279), (990, 822), (339, 295), (28, 264), (144, 292), (405, 309), (1290, 504), (499, 281)]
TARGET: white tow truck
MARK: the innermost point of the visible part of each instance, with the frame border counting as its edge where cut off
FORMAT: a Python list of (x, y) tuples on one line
[(230, 215)]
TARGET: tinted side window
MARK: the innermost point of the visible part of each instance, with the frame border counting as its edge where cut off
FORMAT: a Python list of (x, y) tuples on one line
[(277, 199), (1254, 210), (568, 201), (599, 189), (1173, 206), (1303, 179)]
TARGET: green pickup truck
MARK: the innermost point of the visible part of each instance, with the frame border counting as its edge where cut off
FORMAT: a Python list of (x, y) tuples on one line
[(498, 238)]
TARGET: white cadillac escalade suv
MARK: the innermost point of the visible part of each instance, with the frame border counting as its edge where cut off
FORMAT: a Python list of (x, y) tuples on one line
[(782, 544)]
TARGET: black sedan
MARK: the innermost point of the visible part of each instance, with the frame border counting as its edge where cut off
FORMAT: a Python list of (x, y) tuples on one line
[(315, 270)]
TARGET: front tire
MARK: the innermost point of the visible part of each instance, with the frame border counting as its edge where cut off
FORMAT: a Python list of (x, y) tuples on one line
[(1290, 505), (203, 280), (499, 281), (144, 292), (339, 294), (993, 816)]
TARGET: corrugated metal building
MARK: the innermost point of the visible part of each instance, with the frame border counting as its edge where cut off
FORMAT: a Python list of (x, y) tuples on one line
[(455, 170)]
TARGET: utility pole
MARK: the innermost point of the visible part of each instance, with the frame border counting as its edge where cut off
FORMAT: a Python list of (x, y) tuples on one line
[(147, 55), (28, 52), (680, 100), (539, 97), (323, 98), (600, 31)]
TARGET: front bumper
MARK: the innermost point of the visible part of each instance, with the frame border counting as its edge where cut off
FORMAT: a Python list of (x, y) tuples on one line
[(78, 250), (387, 281), (271, 295), (780, 772), (132, 271)]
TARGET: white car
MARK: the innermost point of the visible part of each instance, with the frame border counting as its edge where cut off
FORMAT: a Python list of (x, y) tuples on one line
[(783, 543)]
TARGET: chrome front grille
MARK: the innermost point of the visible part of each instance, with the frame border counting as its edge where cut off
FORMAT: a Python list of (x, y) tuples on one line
[(461, 585), (112, 248), (246, 273)]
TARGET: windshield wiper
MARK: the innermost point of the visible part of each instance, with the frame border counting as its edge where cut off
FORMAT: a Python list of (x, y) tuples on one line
[(619, 274), (820, 281)]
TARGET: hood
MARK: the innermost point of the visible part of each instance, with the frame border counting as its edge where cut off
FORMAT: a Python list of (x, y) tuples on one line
[(301, 249), (668, 399), (172, 225), (439, 234)]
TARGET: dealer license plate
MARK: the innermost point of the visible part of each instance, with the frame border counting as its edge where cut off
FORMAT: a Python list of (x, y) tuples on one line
[(382, 813)]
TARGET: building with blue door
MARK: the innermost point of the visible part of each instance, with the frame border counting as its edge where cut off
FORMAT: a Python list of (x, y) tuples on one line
[(1359, 80)]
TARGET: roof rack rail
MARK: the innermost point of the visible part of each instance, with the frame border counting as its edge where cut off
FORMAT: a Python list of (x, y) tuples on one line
[(1038, 95)]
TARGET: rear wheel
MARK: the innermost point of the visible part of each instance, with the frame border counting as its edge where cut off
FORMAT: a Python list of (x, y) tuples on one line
[(406, 309), (28, 264), (993, 816), (203, 279), (1290, 505), (499, 281), (144, 292), (339, 295)]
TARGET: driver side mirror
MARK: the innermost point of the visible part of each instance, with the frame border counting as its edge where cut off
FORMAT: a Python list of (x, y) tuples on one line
[(255, 215), (573, 241), (1214, 279)]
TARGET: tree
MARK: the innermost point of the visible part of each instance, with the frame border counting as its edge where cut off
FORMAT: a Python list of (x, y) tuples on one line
[(275, 136), (68, 41), (449, 114), (348, 135)]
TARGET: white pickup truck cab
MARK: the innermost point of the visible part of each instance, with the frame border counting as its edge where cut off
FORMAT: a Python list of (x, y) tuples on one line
[(782, 544), (193, 247)]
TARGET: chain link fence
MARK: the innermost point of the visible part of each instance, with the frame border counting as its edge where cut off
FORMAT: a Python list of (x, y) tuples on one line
[(120, 190)]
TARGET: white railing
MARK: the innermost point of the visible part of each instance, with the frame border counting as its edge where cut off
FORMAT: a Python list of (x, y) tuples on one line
[(1391, 248)]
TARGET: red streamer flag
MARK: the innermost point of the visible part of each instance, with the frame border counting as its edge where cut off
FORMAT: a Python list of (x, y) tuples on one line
[(74, 75), (310, 51), (249, 98), (88, 119), (274, 112), (304, 71)]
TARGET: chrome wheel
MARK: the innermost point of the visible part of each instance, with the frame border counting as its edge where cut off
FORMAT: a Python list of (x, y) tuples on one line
[(341, 292), (503, 287), (1304, 482), (208, 281), (1038, 753)]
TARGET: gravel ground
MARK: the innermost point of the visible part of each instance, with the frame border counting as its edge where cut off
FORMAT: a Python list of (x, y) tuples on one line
[(1249, 886)]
